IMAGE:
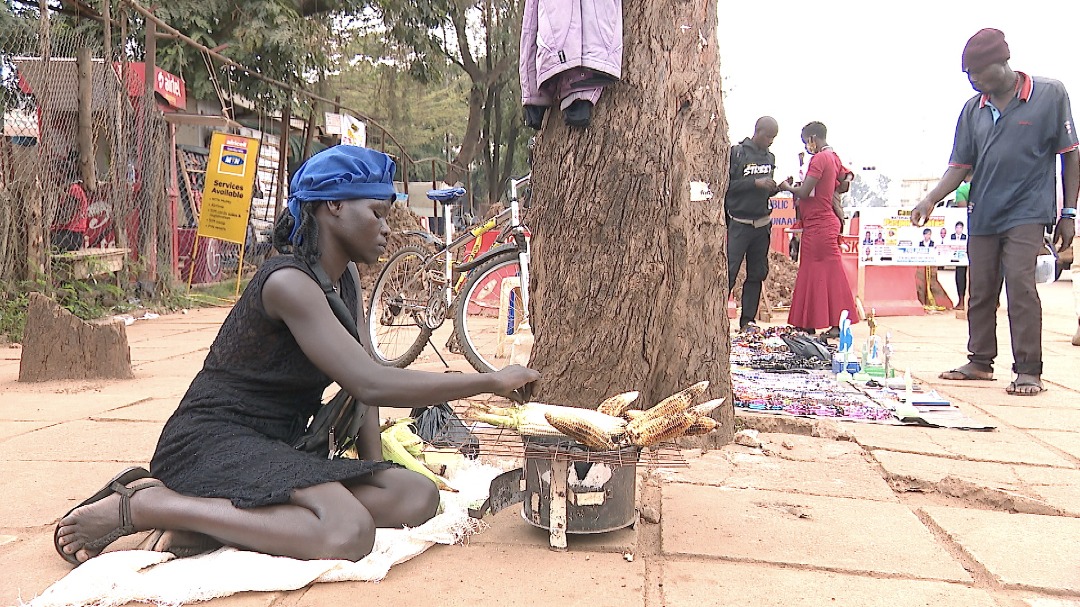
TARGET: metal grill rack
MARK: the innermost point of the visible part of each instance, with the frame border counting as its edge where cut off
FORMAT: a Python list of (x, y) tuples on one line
[(503, 442)]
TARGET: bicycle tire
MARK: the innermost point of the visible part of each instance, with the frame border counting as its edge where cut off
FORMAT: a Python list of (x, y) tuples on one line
[(396, 337), (476, 313)]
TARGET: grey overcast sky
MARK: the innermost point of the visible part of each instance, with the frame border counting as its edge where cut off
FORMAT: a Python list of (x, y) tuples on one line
[(884, 77)]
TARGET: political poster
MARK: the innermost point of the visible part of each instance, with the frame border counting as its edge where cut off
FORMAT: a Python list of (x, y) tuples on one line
[(887, 238)]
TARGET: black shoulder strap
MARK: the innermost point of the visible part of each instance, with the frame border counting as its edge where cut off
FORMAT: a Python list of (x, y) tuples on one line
[(336, 303)]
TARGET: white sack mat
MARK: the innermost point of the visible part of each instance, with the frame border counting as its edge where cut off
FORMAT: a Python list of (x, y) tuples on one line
[(117, 578)]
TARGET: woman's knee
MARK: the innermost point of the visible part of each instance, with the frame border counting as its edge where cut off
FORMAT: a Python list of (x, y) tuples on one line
[(420, 500), (345, 529), (348, 537), (418, 496)]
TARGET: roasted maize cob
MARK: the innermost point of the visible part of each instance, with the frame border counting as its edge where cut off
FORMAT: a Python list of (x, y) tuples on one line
[(706, 408), (675, 404), (581, 430), (701, 425), (632, 414), (618, 404), (658, 429)]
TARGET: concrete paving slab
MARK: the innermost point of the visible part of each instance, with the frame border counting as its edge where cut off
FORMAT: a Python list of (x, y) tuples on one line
[(841, 469), (29, 566), (55, 407), (7, 539), (1021, 550), (1057, 415), (85, 441), (485, 575), (11, 428), (188, 345), (1069, 442), (1010, 487), (182, 367), (1001, 445), (43, 491), (1048, 601), (823, 532), (693, 584), (150, 410)]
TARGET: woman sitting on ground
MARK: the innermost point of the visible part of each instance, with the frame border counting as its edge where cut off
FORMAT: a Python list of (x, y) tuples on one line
[(224, 472)]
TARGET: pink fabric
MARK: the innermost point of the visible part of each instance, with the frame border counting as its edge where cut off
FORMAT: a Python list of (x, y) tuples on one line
[(821, 287)]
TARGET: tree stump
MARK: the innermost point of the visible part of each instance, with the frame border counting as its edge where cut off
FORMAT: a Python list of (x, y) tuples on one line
[(59, 345)]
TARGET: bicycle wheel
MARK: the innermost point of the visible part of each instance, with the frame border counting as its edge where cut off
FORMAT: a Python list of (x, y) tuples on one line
[(395, 316), (484, 329)]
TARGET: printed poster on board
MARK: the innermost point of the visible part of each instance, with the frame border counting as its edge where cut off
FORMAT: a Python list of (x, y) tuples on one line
[(230, 175), (887, 238)]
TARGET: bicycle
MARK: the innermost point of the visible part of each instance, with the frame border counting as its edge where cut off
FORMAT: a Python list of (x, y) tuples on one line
[(486, 296)]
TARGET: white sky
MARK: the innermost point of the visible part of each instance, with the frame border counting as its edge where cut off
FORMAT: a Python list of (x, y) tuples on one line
[(884, 77)]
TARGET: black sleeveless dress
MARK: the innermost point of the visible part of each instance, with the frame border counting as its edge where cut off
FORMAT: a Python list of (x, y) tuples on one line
[(231, 436)]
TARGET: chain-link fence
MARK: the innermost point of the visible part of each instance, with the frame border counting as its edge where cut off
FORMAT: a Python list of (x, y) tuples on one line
[(103, 160), (85, 158)]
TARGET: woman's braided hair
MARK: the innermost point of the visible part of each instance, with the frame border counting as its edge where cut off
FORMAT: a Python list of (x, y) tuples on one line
[(308, 249)]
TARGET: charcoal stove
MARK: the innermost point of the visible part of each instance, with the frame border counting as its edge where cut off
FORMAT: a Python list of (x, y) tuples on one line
[(566, 493), (565, 488)]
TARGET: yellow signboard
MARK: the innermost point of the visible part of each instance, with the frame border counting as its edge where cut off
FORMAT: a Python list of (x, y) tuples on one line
[(230, 176)]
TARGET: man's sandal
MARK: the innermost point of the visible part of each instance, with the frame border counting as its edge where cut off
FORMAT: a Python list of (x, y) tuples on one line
[(1015, 388), (959, 374), (118, 484)]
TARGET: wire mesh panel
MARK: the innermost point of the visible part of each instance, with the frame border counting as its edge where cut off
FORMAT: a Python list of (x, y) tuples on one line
[(85, 158)]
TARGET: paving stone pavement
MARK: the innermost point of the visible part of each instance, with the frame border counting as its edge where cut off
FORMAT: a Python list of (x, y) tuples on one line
[(861, 514)]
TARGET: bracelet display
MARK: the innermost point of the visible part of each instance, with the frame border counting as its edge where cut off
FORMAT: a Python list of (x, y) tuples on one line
[(1068, 212)]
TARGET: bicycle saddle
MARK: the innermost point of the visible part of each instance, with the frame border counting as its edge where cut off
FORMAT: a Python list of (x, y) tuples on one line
[(446, 194)]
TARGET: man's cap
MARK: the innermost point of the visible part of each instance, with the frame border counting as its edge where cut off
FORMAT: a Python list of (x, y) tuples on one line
[(985, 48)]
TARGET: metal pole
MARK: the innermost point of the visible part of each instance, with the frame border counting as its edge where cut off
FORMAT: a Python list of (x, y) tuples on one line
[(283, 156)]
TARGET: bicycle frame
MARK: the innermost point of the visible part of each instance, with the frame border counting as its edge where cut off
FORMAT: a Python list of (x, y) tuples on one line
[(432, 286), (449, 245)]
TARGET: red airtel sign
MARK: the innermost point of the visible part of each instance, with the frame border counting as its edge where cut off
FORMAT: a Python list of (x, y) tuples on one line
[(171, 87)]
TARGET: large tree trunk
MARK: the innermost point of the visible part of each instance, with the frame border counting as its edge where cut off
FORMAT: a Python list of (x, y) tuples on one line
[(629, 269)]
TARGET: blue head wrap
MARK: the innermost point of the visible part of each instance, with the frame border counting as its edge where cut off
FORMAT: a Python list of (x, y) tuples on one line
[(342, 172)]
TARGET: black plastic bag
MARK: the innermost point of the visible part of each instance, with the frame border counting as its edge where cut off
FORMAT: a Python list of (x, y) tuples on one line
[(441, 427)]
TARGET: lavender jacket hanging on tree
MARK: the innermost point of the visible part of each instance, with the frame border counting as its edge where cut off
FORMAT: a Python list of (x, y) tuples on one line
[(570, 49)]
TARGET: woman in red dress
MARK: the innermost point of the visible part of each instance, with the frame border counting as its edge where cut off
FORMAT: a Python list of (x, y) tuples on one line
[(821, 287)]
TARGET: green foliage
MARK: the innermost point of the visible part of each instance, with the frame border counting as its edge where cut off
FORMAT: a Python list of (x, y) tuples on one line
[(271, 37), (371, 78)]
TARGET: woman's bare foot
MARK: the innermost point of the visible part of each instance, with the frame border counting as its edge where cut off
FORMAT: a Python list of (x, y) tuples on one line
[(180, 543), (88, 529), (970, 371)]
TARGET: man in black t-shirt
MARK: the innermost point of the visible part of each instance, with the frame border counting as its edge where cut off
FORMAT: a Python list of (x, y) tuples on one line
[(749, 219)]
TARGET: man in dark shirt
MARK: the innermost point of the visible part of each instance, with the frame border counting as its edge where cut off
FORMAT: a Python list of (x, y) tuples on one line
[(1008, 136), (746, 204)]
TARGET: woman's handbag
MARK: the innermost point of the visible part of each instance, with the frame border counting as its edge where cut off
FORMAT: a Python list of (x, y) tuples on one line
[(334, 428)]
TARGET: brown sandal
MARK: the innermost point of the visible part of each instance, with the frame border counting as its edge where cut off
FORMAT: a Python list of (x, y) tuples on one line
[(118, 484)]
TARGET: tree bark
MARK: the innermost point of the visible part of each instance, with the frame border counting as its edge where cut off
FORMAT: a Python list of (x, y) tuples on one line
[(58, 345), (87, 163), (628, 270)]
